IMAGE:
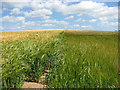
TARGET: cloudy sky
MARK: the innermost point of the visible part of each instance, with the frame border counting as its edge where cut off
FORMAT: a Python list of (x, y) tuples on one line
[(59, 14)]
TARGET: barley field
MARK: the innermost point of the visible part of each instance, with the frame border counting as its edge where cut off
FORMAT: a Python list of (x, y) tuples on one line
[(75, 59)]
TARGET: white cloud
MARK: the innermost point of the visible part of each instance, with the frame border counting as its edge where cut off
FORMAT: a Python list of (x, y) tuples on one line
[(46, 17), (17, 3), (92, 20), (18, 28), (1, 28), (12, 19), (114, 23), (95, 9), (35, 5), (27, 24), (70, 1), (83, 27), (43, 9), (15, 11), (98, 10), (5, 9), (56, 22), (0, 11), (76, 25), (38, 13), (108, 24), (70, 17), (79, 15), (80, 19), (23, 25), (48, 25), (0, 20), (83, 20)]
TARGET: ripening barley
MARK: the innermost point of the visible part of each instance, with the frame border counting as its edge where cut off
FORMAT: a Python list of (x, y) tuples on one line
[(74, 60)]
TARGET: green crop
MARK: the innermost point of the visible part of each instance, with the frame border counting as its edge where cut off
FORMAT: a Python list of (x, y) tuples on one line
[(85, 61), (24, 60), (74, 60)]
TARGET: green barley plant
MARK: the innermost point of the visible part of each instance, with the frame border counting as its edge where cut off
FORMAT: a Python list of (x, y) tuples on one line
[(24, 60), (74, 59), (85, 61)]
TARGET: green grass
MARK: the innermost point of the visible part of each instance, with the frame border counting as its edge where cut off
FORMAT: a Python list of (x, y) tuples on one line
[(75, 59), (89, 61), (24, 59)]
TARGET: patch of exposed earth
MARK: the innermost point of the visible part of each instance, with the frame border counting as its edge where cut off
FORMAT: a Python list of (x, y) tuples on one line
[(41, 84)]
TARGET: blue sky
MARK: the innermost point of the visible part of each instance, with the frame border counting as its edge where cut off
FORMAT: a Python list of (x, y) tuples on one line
[(59, 14)]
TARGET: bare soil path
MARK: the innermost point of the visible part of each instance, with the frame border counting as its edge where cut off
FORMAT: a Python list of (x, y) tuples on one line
[(41, 84)]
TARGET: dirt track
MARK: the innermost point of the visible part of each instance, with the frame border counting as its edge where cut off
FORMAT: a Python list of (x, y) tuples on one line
[(41, 84)]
